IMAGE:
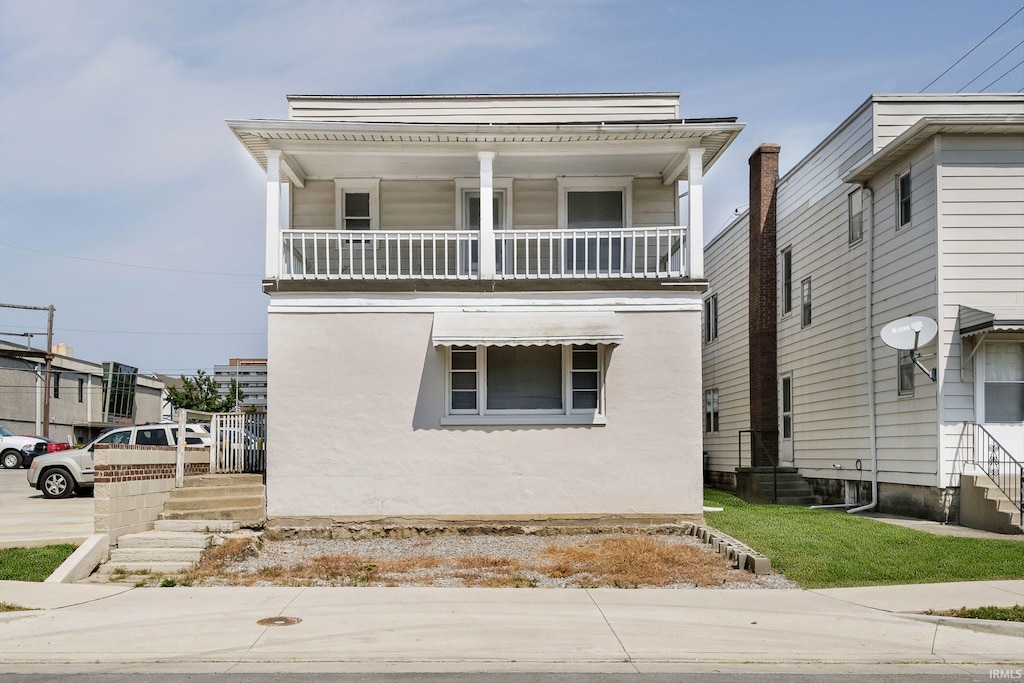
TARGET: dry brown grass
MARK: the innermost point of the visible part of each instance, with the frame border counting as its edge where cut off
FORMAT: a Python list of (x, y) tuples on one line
[(620, 561)]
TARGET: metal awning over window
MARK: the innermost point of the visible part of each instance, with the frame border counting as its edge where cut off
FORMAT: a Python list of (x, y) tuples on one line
[(995, 319), (524, 329)]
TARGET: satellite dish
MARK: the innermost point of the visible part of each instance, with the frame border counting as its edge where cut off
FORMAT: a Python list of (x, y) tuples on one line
[(908, 334)]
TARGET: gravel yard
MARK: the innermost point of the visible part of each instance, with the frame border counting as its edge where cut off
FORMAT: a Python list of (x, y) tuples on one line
[(563, 561)]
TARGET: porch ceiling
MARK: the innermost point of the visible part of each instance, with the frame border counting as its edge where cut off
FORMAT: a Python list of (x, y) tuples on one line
[(319, 150)]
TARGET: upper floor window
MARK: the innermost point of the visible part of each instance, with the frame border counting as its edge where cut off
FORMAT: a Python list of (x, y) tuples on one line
[(854, 210), (81, 390), (357, 204), (711, 318), (56, 385), (903, 192), (787, 281), (594, 203), (805, 303)]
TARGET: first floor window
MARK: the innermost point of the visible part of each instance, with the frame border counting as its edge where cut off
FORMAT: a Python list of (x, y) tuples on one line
[(1004, 382), (711, 411), (525, 380), (906, 369), (786, 390)]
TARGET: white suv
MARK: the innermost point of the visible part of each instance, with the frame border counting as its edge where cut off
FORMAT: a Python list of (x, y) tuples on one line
[(11, 445), (60, 474)]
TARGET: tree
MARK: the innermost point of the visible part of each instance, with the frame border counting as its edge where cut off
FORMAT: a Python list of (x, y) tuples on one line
[(200, 393)]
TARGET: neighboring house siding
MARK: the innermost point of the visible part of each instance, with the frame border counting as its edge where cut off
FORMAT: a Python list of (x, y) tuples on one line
[(895, 114), (726, 360), (386, 365), (826, 358), (982, 258)]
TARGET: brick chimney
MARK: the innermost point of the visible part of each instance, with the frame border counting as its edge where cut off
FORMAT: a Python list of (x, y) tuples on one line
[(763, 346)]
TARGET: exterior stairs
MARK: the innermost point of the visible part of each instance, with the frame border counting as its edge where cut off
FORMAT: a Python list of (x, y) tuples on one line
[(759, 484), (984, 506), (238, 497), (173, 546)]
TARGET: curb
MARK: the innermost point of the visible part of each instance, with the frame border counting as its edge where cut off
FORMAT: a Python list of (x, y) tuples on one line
[(1002, 628), (83, 561)]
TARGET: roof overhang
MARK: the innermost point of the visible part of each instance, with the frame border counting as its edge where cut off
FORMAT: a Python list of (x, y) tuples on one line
[(330, 149), (475, 328), (996, 319), (929, 126)]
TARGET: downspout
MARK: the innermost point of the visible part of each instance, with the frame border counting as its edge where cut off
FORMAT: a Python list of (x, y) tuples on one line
[(870, 344)]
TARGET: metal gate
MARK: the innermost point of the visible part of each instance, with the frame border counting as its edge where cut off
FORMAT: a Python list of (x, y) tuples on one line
[(238, 442)]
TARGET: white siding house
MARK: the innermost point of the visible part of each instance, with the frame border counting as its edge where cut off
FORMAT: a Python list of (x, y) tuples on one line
[(484, 307), (913, 206)]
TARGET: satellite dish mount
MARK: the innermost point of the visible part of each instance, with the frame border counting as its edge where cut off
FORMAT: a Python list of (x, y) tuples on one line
[(909, 334)]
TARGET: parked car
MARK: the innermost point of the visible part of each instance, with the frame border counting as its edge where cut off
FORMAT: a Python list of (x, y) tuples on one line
[(60, 474), (41, 447), (11, 446)]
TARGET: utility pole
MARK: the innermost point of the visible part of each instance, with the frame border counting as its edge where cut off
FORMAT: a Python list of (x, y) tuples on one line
[(47, 356)]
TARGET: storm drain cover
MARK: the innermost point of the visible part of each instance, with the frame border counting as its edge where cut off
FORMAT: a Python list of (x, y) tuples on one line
[(279, 621)]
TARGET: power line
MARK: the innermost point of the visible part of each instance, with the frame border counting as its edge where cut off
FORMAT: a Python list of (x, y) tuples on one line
[(126, 265), (973, 49), (990, 67), (1003, 76)]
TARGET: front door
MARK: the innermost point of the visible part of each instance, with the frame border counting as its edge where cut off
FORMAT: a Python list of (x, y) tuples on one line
[(786, 419)]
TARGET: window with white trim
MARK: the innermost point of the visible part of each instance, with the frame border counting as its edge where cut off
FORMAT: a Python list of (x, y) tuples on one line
[(710, 318), (524, 384), (805, 303), (357, 203), (787, 281), (594, 204), (905, 368), (711, 411), (786, 406), (1004, 382), (855, 216), (903, 201)]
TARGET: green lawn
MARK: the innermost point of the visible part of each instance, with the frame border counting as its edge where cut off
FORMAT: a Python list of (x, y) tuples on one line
[(832, 549), (32, 564)]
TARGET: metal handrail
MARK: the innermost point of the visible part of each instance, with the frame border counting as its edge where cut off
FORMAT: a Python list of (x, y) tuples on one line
[(995, 461)]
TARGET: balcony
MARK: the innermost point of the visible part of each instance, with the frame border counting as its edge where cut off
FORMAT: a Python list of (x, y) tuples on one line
[(455, 255)]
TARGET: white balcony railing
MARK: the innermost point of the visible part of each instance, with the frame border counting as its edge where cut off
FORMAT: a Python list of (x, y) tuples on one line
[(454, 254)]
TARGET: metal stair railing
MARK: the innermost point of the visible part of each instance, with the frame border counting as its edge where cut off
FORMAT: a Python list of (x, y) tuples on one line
[(989, 456)]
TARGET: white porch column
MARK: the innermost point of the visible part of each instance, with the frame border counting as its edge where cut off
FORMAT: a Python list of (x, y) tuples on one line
[(486, 215), (695, 221), (273, 255)]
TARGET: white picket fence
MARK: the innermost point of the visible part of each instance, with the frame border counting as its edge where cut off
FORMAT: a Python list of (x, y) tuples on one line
[(238, 443)]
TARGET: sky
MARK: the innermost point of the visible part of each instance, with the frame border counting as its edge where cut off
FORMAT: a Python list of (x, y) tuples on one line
[(128, 205)]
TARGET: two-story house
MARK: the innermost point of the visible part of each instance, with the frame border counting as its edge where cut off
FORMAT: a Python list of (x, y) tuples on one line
[(913, 206), (484, 307)]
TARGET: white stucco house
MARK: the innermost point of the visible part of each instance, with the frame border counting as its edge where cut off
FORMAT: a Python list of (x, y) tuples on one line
[(484, 307), (913, 206)]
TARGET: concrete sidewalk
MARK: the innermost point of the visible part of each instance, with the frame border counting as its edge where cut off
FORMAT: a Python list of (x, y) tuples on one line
[(98, 628)]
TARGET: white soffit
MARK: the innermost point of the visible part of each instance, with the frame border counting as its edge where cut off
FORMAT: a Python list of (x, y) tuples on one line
[(525, 329), (997, 319)]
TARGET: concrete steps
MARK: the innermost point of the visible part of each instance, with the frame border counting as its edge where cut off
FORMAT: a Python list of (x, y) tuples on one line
[(238, 497), (174, 546), (760, 484), (984, 506)]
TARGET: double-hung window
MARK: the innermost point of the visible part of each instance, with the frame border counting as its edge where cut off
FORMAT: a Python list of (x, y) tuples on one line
[(903, 201), (357, 204), (805, 302), (711, 411), (710, 318), (1004, 382), (553, 384), (787, 281)]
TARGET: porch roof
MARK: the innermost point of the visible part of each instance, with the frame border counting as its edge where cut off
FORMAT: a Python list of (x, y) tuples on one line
[(331, 149), (473, 328), (994, 319)]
